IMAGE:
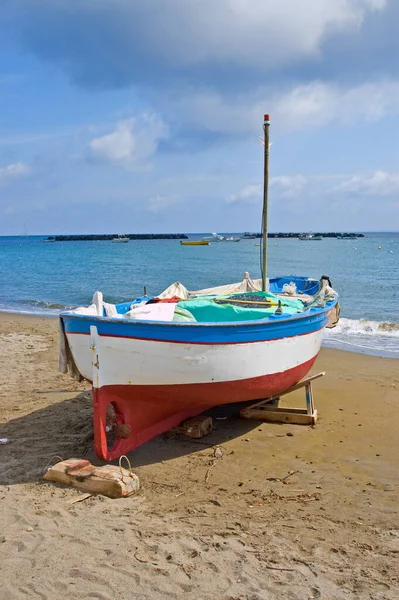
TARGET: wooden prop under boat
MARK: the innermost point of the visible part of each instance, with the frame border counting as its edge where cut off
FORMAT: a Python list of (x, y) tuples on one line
[(148, 375)]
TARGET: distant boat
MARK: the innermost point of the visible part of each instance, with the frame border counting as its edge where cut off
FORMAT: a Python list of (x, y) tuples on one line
[(120, 239), (215, 237), (309, 237), (221, 238), (195, 243), (49, 239), (250, 236), (351, 236)]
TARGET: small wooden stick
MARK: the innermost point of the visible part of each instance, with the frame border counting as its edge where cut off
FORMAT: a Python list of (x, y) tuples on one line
[(209, 471), (142, 560), (278, 568), (289, 475), (79, 498)]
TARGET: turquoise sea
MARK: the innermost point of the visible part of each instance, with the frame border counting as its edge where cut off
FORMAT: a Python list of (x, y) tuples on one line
[(43, 278)]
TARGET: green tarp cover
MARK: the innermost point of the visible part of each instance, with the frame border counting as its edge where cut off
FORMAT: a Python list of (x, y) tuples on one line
[(206, 309)]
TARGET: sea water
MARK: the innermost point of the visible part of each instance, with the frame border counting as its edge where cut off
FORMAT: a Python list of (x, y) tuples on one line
[(44, 278)]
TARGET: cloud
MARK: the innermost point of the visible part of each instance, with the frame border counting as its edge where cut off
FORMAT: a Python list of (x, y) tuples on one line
[(379, 183), (320, 104), (14, 171), (216, 67), (288, 186), (159, 202), (248, 194), (116, 43), (312, 105), (376, 184), (132, 142)]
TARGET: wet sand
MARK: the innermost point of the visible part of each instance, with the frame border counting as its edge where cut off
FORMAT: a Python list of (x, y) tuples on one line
[(329, 531)]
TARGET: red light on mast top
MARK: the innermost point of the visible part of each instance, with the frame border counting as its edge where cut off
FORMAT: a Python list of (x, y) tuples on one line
[(267, 118)]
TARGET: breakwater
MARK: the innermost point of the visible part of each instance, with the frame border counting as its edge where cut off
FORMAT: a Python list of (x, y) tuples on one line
[(333, 234), (111, 236)]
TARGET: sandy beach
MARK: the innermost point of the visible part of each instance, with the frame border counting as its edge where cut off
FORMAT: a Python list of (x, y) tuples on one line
[(328, 531)]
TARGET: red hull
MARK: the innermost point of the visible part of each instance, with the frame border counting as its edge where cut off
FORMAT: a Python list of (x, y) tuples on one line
[(146, 411)]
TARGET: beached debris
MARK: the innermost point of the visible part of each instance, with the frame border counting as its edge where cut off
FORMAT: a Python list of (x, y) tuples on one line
[(79, 498), (207, 474), (108, 480), (300, 497), (218, 452), (283, 479)]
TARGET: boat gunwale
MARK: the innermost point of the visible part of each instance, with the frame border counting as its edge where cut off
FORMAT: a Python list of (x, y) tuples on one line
[(267, 321)]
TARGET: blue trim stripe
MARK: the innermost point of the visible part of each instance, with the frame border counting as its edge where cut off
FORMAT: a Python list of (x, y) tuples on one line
[(203, 333)]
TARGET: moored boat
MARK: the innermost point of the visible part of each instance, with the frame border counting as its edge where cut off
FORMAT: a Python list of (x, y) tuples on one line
[(195, 243), (310, 237), (120, 239), (215, 237)]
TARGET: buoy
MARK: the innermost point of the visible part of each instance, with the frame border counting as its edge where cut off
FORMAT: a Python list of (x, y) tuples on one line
[(390, 252), (379, 247)]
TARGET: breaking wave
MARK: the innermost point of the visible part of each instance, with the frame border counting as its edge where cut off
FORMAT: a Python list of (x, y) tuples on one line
[(41, 304), (369, 337), (34, 307)]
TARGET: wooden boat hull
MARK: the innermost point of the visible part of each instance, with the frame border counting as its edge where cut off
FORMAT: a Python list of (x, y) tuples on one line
[(157, 374)]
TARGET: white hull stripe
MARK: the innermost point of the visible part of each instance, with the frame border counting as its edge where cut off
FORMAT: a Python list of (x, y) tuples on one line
[(127, 361)]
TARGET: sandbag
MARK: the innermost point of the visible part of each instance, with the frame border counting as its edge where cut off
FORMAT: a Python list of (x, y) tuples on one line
[(109, 480)]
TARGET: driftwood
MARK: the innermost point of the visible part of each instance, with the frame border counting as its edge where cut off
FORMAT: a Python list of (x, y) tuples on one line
[(109, 480)]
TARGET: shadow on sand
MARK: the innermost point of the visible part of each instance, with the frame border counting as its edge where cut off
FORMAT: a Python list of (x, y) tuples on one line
[(64, 430)]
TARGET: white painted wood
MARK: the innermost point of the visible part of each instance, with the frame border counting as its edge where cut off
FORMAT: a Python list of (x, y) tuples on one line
[(140, 362)]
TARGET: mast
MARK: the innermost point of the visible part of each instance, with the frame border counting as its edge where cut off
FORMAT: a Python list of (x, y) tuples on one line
[(266, 125)]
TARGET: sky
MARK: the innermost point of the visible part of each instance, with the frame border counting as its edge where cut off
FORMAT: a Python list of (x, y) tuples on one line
[(130, 116)]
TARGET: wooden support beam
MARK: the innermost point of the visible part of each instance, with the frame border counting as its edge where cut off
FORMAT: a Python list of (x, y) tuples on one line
[(264, 411)]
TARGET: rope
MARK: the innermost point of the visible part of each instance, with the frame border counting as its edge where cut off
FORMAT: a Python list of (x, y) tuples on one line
[(130, 466), (51, 460)]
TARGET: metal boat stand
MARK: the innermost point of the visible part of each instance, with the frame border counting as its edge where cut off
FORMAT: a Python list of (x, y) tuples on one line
[(267, 409)]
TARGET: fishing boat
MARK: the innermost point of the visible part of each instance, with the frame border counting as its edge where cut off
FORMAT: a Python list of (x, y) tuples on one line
[(215, 237), (310, 237), (155, 361), (195, 243), (120, 239), (350, 236)]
